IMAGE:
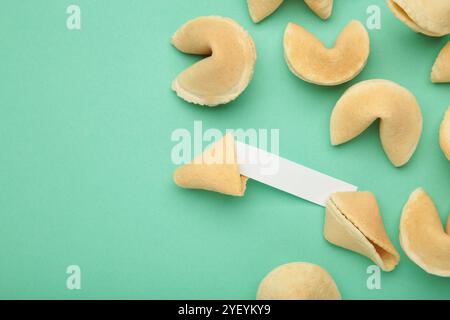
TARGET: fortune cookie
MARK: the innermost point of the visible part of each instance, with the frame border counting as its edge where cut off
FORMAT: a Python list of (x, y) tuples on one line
[(215, 170), (323, 8), (397, 108), (261, 9), (353, 221), (311, 61), (430, 17), (422, 235), (441, 68), (226, 72), (445, 134), (298, 281)]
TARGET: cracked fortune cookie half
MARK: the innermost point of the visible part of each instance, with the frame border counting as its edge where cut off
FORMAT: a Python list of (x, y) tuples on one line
[(226, 72), (298, 281), (261, 9), (396, 107), (430, 17), (215, 170), (353, 221), (311, 61), (444, 136), (441, 68), (422, 235)]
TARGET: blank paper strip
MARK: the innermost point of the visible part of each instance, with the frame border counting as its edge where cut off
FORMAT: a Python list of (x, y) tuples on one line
[(288, 176)]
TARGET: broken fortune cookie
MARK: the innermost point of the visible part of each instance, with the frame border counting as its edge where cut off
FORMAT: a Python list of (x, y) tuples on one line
[(353, 221), (215, 170)]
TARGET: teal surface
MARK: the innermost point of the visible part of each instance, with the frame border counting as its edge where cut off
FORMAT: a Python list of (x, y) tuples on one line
[(86, 174)]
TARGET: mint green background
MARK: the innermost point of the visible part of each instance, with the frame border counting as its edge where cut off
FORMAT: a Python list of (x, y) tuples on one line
[(85, 168)]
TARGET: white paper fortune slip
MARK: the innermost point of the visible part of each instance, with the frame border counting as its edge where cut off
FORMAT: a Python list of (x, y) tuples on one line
[(288, 176)]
